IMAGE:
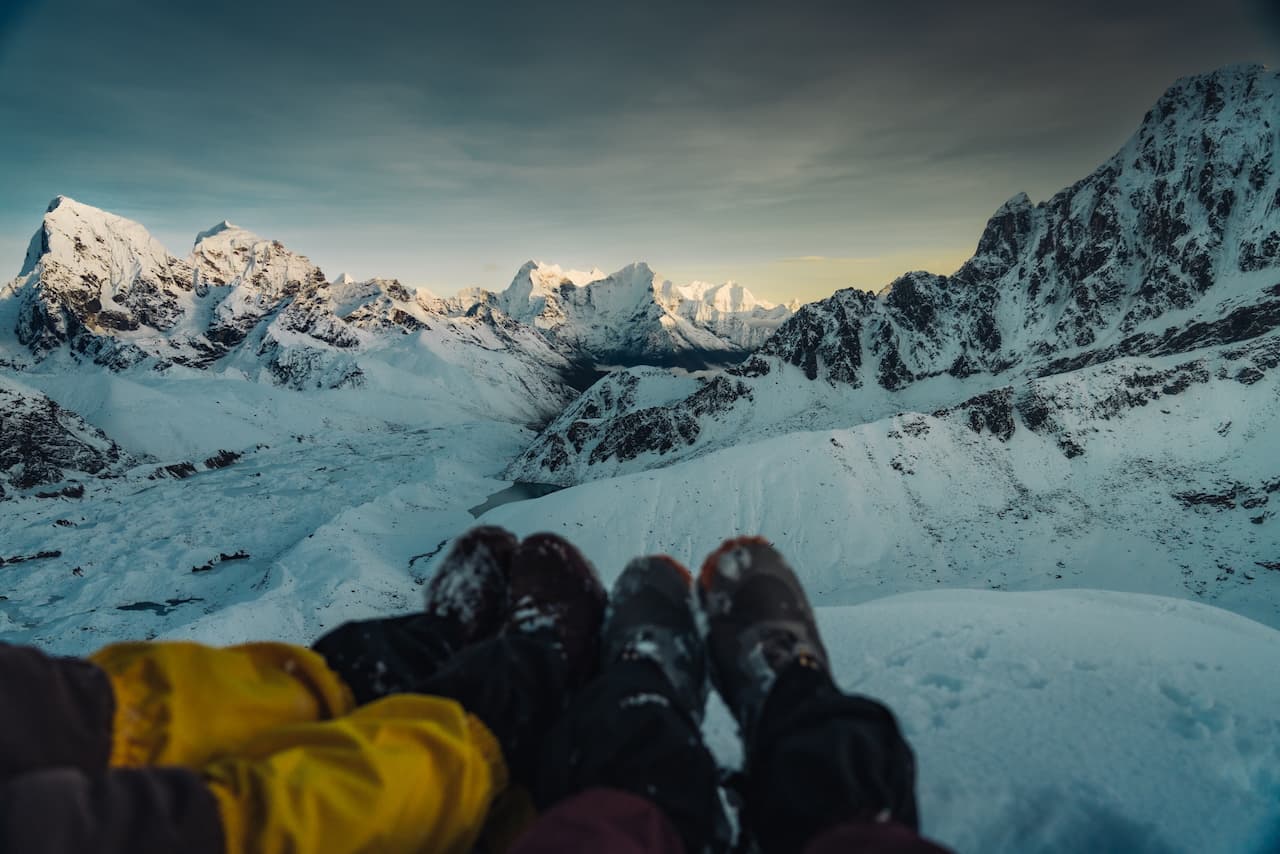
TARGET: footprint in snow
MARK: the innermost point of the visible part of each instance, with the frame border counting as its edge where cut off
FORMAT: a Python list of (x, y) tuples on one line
[(943, 681)]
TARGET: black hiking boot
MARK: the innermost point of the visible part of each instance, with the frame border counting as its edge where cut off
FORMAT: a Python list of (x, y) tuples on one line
[(759, 624), (555, 593), (468, 593), (651, 617)]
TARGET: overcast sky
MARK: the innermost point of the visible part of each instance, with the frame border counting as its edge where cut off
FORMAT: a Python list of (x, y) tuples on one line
[(794, 146)]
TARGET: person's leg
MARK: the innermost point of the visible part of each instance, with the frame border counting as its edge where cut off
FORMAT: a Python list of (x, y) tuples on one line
[(183, 704), (402, 775), (519, 682), (816, 759), (626, 765), (53, 712), (120, 811), (467, 601), (820, 759), (598, 820)]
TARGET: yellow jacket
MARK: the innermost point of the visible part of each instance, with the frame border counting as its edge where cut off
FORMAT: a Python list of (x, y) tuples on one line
[(293, 765)]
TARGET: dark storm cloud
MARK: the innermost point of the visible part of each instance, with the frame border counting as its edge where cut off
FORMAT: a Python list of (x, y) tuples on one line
[(680, 127)]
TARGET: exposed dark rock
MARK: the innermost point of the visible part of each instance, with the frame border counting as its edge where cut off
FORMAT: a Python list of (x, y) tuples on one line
[(74, 490), (157, 608), (753, 366), (175, 470), (654, 430), (990, 412), (16, 559), (1212, 500), (222, 459), (717, 395), (43, 444)]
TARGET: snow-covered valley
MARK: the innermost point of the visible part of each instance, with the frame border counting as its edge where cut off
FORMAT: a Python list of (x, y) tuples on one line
[(1035, 501)]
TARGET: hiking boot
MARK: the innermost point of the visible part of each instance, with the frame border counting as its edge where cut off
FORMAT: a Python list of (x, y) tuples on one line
[(652, 617), (468, 593), (759, 624), (556, 594)]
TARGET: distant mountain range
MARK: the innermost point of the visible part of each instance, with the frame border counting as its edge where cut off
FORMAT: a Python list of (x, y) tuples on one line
[(1171, 246), (96, 286)]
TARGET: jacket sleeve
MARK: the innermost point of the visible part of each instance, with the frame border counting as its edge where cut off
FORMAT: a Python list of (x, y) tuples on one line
[(179, 703), (409, 773)]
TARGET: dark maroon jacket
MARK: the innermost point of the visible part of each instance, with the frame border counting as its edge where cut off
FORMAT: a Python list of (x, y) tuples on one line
[(609, 820)]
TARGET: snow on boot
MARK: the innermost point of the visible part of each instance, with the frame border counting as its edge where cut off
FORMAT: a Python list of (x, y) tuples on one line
[(759, 624), (468, 593), (556, 593), (651, 616)]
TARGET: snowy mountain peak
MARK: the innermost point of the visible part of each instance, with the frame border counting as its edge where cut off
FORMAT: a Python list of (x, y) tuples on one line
[(725, 297), (633, 316), (229, 255), (225, 225), (90, 276)]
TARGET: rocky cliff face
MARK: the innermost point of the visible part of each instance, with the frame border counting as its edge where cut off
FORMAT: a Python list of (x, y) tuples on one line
[(44, 445), (101, 286), (1171, 246), (251, 276), (1183, 218)]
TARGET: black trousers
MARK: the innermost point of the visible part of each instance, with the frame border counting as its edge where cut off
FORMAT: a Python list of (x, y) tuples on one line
[(515, 684), (817, 758)]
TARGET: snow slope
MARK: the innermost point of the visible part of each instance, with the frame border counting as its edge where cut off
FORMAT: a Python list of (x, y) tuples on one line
[(1071, 721), (328, 494)]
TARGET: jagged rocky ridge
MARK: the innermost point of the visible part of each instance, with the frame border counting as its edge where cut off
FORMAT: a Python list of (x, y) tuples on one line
[(1171, 246), (100, 287), (634, 317), (43, 445)]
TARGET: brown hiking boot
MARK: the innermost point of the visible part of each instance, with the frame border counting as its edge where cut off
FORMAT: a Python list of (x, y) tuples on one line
[(652, 617), (468, 592), (759, 624), (556, 593)]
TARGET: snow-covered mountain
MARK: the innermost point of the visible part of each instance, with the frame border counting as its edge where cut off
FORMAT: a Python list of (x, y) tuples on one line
[(98, 288), (1171, 246), (103, 287), (634, 317), (257, 275)]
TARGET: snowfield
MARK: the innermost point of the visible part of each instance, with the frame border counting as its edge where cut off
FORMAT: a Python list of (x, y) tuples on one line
[(1072, 721)]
